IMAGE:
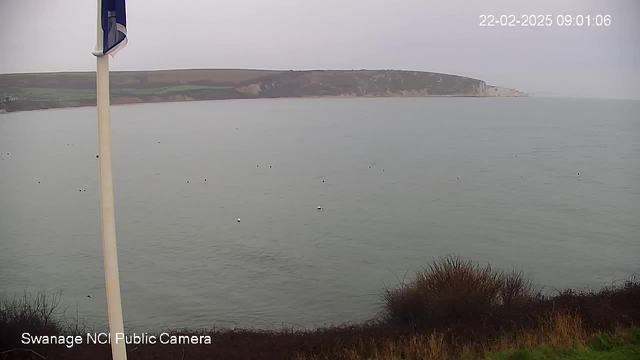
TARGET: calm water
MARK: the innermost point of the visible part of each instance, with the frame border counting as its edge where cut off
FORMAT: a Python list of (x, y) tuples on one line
[(551, 186)]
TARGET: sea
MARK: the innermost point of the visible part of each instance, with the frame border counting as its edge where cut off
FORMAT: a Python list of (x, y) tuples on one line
[(300, 212)]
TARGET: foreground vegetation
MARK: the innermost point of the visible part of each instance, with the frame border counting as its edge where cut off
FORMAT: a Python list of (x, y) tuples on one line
[(452, 309), (619, 345)]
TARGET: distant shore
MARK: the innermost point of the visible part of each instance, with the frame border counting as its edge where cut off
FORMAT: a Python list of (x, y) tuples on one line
[(115, 101), (24, 92)]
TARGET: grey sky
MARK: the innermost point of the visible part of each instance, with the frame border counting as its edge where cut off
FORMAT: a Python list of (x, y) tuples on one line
[(441, 36)]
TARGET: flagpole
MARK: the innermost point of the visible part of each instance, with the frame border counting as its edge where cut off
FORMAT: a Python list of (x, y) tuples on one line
[(107, 211)]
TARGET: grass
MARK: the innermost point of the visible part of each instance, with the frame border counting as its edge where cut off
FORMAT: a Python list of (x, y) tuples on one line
[(451, 309), (179, 89), (53, 94), (562, 336), (184, 88), (618, 346), (81, 94), (34, 93)]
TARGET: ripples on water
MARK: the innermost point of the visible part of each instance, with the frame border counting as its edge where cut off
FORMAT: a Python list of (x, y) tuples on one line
[(491, 179)]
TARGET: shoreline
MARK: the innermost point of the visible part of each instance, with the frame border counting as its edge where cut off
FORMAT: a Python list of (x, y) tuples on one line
[(115, 101)]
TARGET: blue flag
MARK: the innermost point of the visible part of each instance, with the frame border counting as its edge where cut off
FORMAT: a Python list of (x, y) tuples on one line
[(113, 26)]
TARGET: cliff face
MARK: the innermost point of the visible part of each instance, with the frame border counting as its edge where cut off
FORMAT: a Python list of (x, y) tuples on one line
[(363, 83), (502, 91), (54, 90)]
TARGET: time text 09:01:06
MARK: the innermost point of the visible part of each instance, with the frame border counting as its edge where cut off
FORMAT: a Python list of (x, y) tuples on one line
[(545, 20)]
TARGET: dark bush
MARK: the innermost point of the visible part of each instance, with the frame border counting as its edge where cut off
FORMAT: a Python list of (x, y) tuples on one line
[(37, 315), (461, 300), (604, 309), (452, 291)]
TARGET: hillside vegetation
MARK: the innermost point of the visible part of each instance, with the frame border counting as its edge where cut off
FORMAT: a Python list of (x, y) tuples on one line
[(53, 90), (452, 309)]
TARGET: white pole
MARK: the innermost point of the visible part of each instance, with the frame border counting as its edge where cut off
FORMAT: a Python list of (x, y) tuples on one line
[(107, 212), (111, 277)]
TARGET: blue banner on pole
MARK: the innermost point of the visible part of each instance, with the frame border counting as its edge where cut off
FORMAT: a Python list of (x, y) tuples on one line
[(114, 26)]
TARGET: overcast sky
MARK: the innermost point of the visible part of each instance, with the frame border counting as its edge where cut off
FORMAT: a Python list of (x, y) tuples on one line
[(440, 36)]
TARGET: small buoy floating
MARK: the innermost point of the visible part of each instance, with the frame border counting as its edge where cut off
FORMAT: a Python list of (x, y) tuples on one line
[(239, 220), (319, 207)]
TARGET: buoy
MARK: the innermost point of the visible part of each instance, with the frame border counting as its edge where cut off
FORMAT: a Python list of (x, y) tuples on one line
[(257, 165), (158, 142), (319, 207), (238, 219), (205, 180), (369, 166), (187, 181), (38, 182), (322, 180), (97, 156), (382, 169), (270, 166)]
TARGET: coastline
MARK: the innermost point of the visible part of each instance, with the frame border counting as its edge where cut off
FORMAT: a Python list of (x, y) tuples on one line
[(117, 101), (25, 92)]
